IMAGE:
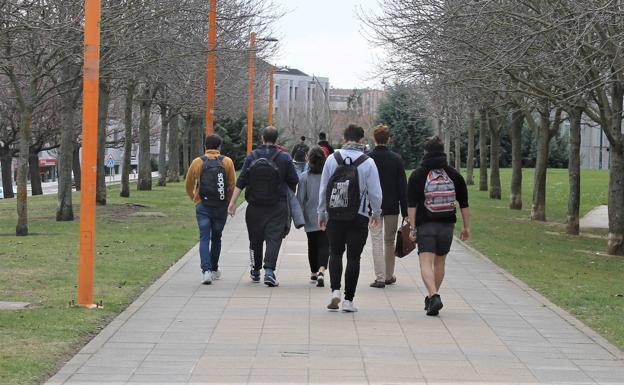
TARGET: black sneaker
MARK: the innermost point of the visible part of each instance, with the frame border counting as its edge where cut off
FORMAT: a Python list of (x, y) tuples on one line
[(320, 280), (270, 280), (313, 277), (427, 303), (391, 281), (435, 304), (255, 275)]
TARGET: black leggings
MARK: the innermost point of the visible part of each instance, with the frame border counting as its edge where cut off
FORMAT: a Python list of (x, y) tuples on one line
[(318, 250), (349, 235)]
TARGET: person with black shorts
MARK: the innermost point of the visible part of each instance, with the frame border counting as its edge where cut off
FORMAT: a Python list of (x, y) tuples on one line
[(432, 194)]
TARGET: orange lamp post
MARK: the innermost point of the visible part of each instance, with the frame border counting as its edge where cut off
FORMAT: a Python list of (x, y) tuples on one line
[(211, 67), (250, 100), (89, 151), (271, 96)]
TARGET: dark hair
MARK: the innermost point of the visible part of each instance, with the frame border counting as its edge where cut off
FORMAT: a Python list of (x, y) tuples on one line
[(353, 133), (322, 136), (316, 160), (303, 138), (381, 134), (269, 134), (213, 142), (434, 144)]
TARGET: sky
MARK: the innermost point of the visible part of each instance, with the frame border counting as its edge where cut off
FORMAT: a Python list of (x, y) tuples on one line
[(325, 38)]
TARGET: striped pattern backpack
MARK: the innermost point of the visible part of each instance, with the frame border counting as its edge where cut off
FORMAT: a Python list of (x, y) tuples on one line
[(440, 194)]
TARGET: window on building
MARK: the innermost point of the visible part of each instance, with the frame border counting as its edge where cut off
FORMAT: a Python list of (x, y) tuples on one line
[(296, 92), (276, 92)]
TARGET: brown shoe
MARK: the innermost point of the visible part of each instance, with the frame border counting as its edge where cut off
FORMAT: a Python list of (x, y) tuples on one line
[(391, 281), (378, 284)]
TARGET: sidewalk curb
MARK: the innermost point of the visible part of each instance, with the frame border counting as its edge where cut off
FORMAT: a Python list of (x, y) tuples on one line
[(589, 332)]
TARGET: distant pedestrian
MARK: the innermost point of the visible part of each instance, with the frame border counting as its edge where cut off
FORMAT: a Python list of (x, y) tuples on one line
[(433, 191), (394, 188), (267, 175), (299, 153), (308, 196), (349, 195), (210, 182), (324, 144)]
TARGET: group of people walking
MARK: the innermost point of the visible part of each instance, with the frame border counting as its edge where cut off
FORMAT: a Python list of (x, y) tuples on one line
[(338, 196)]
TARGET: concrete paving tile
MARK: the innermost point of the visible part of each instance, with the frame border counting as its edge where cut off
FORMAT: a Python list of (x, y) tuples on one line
[(561, 376), (106, 377), (218, 379), (159, 378)]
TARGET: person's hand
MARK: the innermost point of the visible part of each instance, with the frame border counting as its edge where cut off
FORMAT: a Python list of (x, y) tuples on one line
[(465, 234), (232, 209), (413, 236), (375, 221), (323, 224)]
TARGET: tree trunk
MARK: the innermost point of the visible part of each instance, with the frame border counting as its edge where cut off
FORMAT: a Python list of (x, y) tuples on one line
[(64, 208), (162, 150), (616, 201), (173, 171), (574, 171), (35, 173), (6, 165), (76, 169), (517, 122), (127, 156), (194, 139), (470, 154), (145, 159), (185, 145), (483, 177), (198, 129), (458, 147), (104, 101), (21, 229), (495, 182), (544, 135), (447, 142)]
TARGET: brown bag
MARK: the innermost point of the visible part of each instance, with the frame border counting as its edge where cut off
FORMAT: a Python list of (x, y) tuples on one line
[(404, 245)]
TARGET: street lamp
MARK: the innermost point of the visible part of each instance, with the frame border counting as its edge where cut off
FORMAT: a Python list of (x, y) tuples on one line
[(252, 76), (211, 67)]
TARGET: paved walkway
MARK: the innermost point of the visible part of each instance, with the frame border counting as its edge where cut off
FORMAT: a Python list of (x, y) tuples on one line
[(492, 329), (597, 218)]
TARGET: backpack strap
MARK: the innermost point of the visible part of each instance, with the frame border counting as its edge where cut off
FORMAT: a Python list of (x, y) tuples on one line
[(338, 158), (274, 156), (363, 158)]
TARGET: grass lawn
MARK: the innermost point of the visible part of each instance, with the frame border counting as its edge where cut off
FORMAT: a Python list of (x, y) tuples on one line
[(132, 251), (573, 272)]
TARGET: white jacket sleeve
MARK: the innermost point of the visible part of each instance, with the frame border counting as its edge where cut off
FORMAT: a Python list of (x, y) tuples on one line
[(328, 171), (373, 186)]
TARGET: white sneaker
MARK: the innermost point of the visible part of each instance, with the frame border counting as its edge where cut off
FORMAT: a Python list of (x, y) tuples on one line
[(347, 307), (207, 277), (335, 300), (216, 275)]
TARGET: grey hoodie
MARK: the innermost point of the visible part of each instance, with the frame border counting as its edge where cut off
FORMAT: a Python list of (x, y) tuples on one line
[(370, 187)]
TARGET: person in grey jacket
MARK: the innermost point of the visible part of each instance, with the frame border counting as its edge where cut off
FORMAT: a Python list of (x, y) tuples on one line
[(307, 194), (351, 234)]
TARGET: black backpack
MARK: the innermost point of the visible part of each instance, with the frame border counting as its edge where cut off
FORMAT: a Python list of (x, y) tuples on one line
[(343, 189), (299, 155), (213, 182), (264, 180)]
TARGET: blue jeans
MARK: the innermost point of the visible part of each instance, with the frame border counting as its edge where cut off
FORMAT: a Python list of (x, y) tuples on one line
[(211, 222)]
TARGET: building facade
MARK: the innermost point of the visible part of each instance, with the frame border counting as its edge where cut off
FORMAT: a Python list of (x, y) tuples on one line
[(354, 106), (300, 102)]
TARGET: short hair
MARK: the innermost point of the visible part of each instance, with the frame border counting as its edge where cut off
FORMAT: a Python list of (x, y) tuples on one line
[(213, 142), (316, 160), (381, 134), (270, 134), (322, 136), (303, 138), (353, 133), (434, 144)]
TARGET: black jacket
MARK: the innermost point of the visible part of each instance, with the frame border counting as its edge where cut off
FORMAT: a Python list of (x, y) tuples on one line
[(393, 180), (288, 174), (324, 143), (416, 187)]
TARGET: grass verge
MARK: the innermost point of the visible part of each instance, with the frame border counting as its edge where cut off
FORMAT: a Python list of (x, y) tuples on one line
[(572, 271), (132, 251)]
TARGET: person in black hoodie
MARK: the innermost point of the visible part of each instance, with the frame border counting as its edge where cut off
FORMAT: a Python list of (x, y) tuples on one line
[(432, 192), (394, 191), (324, 144)]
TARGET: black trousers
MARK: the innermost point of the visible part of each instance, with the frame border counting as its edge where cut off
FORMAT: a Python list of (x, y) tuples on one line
[(350, 236), (266, 225), (318, 250)]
